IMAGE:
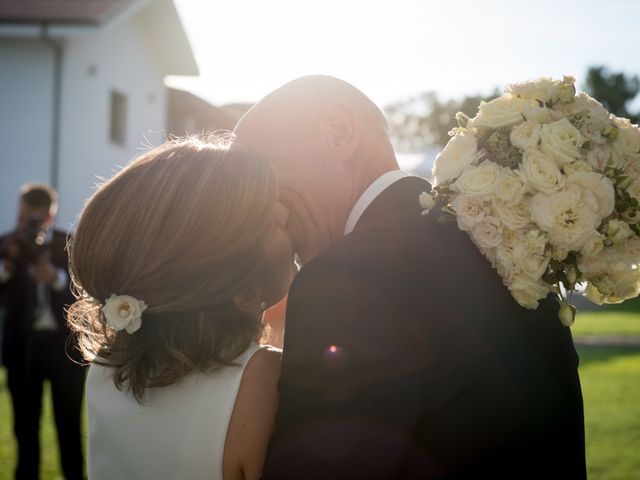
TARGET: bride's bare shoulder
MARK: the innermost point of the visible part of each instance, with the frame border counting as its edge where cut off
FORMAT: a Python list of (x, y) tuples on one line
[(253, 416)]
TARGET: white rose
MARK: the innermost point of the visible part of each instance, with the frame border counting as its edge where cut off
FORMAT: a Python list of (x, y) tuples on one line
[(530, 254), (632, 251), (583, 102), (510, 188), (559, 253), (123, 312), (545, 89), (628, 141), (593, 294), (598, 185), (600, 157), (541, 172), (566, 217), (503, 111), (511, 238), (487, 233), (593, 246), (561, 141), (504, 263), (479, 181), (541, 89), (458, 154), (634, 189), (514, 217), (540, 114), (618, 231), (577, 166), (588, 116), (596, 265), (526, 135), (619, 286), (527, 291), (469, 211), (427, 202)]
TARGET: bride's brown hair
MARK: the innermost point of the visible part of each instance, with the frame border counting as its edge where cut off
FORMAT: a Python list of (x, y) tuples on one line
[(180, 228)]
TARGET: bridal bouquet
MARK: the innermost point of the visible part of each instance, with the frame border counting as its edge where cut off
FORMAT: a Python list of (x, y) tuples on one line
[(547, 184)]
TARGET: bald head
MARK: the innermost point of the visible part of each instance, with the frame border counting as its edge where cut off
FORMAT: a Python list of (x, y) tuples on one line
[(327, 142), (303, 100)]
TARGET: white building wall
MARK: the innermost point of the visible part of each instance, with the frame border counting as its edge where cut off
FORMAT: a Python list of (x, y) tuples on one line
[(26, 104), (119, 58)]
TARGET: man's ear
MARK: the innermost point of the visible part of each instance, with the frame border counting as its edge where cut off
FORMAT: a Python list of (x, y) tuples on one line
[(342, 133)]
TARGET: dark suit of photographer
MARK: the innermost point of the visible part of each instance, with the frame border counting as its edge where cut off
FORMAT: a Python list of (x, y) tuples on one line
[(36, 343)]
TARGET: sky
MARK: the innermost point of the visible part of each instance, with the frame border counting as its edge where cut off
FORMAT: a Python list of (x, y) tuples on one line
[(392, 50)]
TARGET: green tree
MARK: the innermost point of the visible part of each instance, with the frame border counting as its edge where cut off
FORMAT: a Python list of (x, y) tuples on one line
[(614, 90), (426, 120)]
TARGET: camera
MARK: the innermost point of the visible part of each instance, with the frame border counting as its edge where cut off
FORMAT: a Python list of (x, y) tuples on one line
[(30, 240)]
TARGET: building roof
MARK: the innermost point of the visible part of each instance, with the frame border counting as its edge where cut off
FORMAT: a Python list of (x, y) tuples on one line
[(63, 18), (82, 12), (190, 114)]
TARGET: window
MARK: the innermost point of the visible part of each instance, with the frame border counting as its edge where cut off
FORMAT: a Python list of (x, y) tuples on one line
[(118, 118)]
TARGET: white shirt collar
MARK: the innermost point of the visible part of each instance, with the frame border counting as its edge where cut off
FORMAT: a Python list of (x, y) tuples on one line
[(370, 194)]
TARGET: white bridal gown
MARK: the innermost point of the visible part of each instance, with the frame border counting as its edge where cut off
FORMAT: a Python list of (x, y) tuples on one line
[(177, 433)]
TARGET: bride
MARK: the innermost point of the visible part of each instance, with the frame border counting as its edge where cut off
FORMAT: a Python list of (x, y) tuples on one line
[(175, 259)]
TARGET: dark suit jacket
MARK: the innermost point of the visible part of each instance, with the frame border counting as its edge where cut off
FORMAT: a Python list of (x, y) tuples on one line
[(406, 357), (19, 299)]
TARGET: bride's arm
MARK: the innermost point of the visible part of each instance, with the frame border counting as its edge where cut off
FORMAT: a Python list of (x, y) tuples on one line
[(252, 420)]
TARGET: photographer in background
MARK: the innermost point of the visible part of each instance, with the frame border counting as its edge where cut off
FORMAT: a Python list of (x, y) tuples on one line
[(36, 343)]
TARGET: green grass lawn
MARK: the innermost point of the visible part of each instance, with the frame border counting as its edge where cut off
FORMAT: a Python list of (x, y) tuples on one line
[(611, 389), (50, 460), (610, 383), (623, 319)]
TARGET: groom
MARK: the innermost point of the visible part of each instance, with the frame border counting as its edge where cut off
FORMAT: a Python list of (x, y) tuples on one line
[(405, 357)]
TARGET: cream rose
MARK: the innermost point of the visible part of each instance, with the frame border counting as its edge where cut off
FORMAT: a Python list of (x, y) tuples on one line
[(480, 181), (588, 116), (582, 102), (469, 211), (514, 217), (565, 216), (504, 263), (510, 188), (596, 265), (619, 286), (593, 294), (628, 141), (593, 246), (542, 89), (559, 253), (458, 154), (426, 201), (561, 141), (542, 173), (487, 233), (530, 254), (526, 135), (577, 166), (545, 89), (540, 114), (598, 185), (527, 291), (618, 231), (600, 157), (503, 111), (124, 312), (634, 189)]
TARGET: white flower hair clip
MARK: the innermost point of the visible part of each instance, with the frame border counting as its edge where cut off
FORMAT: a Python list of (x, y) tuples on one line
[(124, 312)]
